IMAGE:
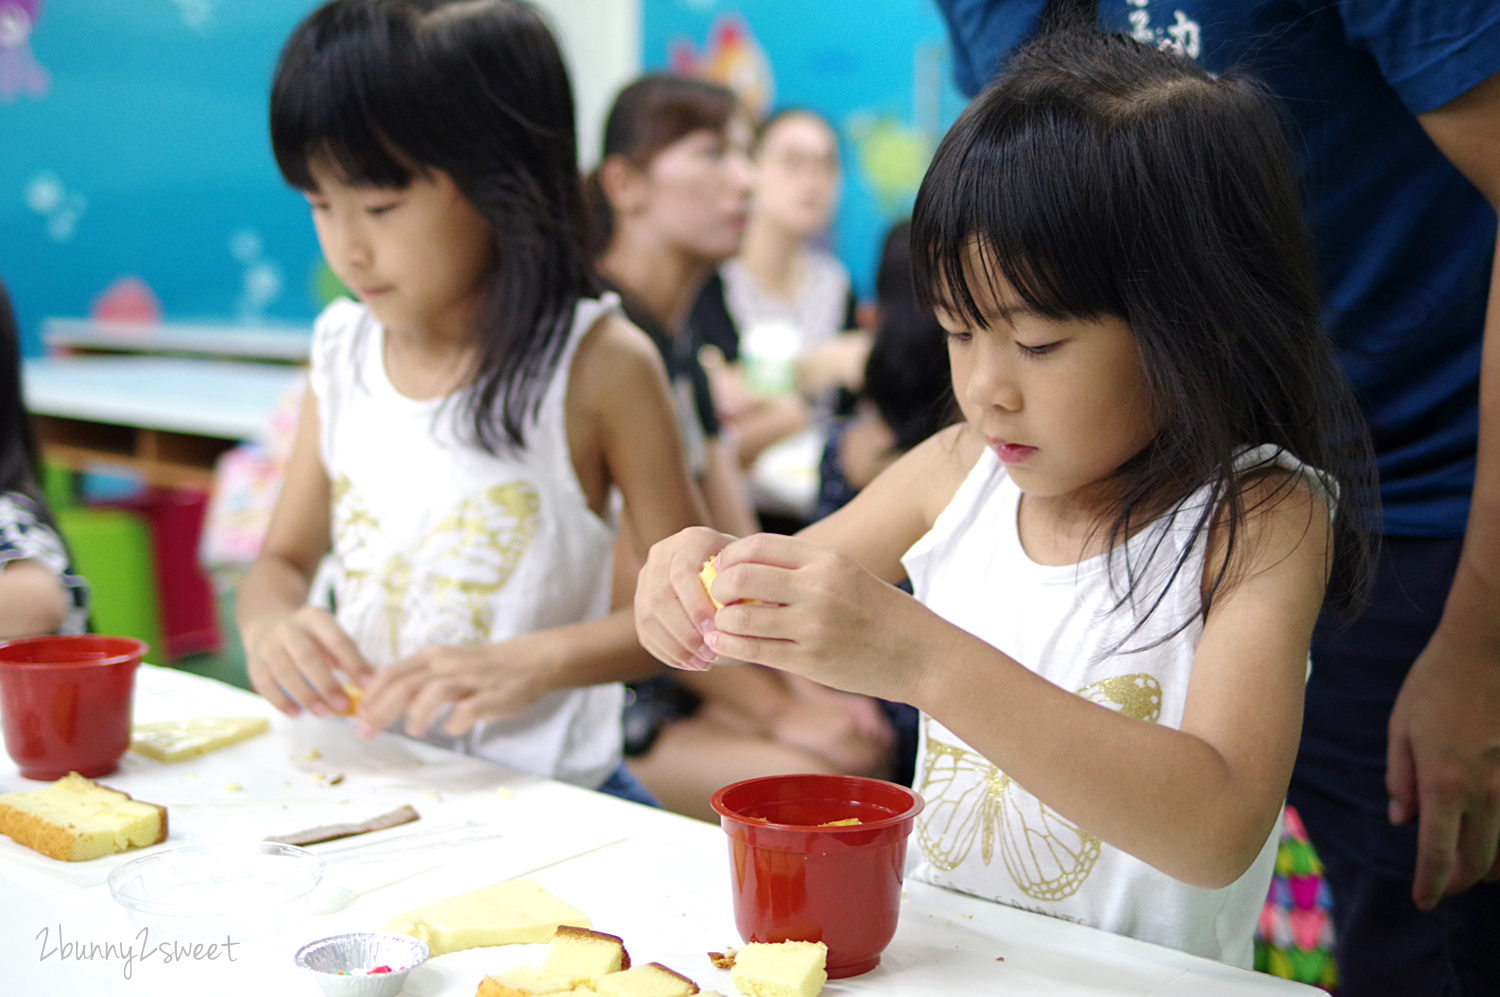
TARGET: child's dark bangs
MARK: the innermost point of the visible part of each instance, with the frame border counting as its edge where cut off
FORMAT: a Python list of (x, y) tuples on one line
[(337, 101), (1009, 188)]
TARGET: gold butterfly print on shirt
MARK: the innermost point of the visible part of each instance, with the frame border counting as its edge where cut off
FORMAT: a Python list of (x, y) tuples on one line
[(439, 590), (971, 802)]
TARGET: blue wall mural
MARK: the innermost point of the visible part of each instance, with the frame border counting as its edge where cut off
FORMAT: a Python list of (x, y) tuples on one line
[(135, 167), (879, 71), (136, 174)]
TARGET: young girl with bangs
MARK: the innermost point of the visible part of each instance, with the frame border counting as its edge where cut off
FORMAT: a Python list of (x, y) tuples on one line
[(469, 417), (1119, 556)]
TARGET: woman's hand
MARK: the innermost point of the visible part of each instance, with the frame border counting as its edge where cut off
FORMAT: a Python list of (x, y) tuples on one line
[(672, 609), (482, 683), (291, 662), (824, 617)]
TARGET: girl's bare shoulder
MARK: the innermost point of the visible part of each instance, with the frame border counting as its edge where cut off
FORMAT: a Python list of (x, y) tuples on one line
[(615, 361)]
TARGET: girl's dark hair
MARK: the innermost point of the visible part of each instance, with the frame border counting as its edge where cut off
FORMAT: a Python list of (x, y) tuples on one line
[(385, 90), (20, 459), (906, 375), (647, 116), (1098, 177)]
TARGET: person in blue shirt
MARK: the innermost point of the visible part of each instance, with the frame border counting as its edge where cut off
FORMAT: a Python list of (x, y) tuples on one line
[(1394, 109)]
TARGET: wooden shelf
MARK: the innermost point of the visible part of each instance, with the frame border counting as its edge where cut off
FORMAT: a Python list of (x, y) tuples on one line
[(161, 457)]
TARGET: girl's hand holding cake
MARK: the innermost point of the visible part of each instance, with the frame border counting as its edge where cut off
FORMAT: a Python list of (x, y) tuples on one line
[(673, 609), (822, 616), (293, 659)]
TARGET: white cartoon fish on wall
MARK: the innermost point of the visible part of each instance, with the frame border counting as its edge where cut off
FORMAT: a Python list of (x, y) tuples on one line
[(20, 73)]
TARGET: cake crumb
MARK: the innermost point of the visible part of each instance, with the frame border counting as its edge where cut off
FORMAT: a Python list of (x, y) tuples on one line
[(723, 960), (505, 793), (312, 755), (336, 779), (233, 787)]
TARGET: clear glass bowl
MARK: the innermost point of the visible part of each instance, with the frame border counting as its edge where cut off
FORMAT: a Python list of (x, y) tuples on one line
[(210, 891)]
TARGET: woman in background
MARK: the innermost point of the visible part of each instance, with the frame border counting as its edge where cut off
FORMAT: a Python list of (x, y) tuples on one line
[(39, 594), (783, 293), (669, 203), (671, 196)]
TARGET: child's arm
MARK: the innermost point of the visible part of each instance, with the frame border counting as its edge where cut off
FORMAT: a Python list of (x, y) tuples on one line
[(293, 648), (1196, 803), (32, 599), (621, 431), (725, 494)]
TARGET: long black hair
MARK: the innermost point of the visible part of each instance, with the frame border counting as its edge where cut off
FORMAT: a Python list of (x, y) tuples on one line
[(383, 90), (1101, 177), (906, 374), (20, 459)]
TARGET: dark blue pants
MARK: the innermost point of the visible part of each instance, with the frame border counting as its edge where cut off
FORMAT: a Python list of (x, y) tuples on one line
[(1384, 944), (623, 784)]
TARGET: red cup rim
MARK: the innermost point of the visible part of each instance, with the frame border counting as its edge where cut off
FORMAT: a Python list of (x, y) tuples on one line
[(136, 650), (916, 805)]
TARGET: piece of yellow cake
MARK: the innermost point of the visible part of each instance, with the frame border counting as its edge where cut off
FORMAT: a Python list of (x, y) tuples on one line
[(76, 819), (354, 694), (516, 911), (584, 956), (176, 740), (523, 981), (781, 969), (707, 575), (650, 980)]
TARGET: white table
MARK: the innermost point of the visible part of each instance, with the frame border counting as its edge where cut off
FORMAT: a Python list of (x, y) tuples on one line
[(658, 880), (289, 343)]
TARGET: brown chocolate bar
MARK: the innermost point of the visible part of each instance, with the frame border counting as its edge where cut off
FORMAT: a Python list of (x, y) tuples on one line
[(332, 832)]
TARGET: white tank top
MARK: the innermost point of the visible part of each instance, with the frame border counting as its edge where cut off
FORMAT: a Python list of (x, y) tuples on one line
[(437, 542), (984, 834)]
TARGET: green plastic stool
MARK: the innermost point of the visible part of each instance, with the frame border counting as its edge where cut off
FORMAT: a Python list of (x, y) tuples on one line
[(112, 549), (59, 488)]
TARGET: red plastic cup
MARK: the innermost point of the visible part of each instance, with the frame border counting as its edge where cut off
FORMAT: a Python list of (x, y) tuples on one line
[(796, 881), (65, 702)]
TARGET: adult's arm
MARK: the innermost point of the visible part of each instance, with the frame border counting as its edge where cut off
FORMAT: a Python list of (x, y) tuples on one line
[(1444, 756)]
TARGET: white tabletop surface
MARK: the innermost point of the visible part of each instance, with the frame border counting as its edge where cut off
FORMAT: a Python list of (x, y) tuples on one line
[(266, 342), (658, 880), (220, 398)]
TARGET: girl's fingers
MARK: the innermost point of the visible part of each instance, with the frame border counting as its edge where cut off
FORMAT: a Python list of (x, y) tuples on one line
[(756, 650), (339, 647), (685, 576), (769, 622), (434, 695), (301, 671), (769, 548), (476, 709), (264, 680), (387, 698), (757, 580)]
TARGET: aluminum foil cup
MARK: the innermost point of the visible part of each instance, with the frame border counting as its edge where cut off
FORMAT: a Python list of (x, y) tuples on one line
[(356, 954)]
